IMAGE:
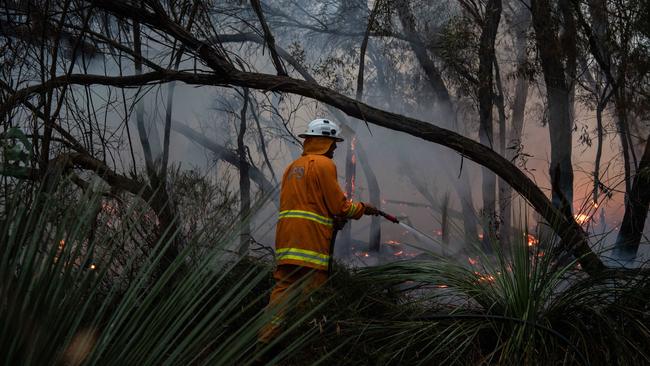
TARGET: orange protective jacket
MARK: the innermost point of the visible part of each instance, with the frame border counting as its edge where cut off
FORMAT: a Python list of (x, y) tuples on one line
[(309, 200)]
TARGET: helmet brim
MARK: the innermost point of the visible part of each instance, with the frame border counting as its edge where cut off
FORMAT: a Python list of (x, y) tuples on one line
[(305, 135)]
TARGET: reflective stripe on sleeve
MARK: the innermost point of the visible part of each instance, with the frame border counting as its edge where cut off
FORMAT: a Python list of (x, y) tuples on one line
[(354, 208), (303, 255), (307, 215)]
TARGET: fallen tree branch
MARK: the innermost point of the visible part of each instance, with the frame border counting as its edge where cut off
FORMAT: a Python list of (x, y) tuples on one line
[(566, 227)]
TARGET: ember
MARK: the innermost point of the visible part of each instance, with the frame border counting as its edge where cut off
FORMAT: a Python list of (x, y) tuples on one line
[(581, 218), (472, 261), (532, 240), (485, 277)]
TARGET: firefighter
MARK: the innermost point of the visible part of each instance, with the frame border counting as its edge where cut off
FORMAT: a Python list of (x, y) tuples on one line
[(311, 205)]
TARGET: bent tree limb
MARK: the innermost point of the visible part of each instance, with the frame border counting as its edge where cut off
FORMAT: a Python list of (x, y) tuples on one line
[(571, 233)]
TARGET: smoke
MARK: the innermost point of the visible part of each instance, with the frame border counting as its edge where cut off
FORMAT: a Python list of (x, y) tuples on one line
[(414, 175)]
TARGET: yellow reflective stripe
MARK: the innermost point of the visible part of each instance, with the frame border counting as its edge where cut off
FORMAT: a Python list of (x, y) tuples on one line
[(303, 259), (303, 251), (353, 210), (303, 255), (308, 213), (299, 214)]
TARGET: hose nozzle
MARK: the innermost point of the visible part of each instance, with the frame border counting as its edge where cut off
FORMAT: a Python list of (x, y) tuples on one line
[(388, 217)]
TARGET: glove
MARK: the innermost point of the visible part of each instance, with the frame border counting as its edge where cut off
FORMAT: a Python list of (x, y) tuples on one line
[(339, 222), (370, 210)]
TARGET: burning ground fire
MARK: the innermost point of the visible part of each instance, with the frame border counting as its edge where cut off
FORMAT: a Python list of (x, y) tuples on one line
[(396, 250), (399, 252), (485, 277), (581, 218), (482, 277)]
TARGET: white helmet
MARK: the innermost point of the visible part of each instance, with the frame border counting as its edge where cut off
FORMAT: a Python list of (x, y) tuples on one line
[(323, 127)]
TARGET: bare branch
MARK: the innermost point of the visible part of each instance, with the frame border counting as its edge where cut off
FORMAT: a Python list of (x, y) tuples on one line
[(268, 36)]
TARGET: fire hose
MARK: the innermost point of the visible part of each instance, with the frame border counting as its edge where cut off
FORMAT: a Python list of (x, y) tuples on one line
[(388, 217)]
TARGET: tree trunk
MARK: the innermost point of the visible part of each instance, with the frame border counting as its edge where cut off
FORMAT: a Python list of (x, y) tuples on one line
[(244, 181), (486, 101), (504, 202), (629, 237), (522, 21), (441, 93), (374, 239), (551, 53), (444, 219)]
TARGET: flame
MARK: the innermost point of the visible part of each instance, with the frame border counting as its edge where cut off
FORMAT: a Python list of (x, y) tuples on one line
[(485, 277), (93, 267), (59, 250), (362, 254), (595, 204), (442, 286), (581, 218), (472, 261), (397, 254), (532, 240), (480, 236)]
